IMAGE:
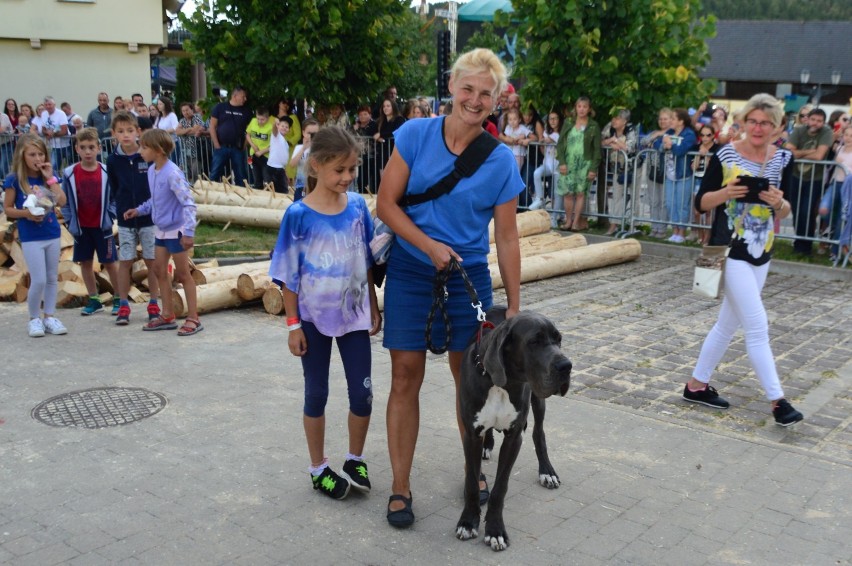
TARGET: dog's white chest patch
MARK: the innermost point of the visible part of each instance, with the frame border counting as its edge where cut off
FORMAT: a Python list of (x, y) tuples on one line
[(497, 412)]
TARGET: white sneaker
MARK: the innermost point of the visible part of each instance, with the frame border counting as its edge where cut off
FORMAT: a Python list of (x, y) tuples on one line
[(53, 326), (536, 204), (36, 328)]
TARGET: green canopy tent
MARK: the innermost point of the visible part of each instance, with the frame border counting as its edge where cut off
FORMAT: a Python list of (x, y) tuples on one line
[(483, 10)]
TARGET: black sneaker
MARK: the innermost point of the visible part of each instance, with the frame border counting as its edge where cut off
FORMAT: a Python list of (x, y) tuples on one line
[(331, 484), (707, 396), (356, 473), (785, 414)]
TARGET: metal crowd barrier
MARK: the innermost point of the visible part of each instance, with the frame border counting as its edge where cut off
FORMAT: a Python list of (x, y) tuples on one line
[(630, 190)]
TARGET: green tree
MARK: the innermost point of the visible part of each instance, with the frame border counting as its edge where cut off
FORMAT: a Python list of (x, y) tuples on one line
[(183, 89), (487, 37), (419, 76), (326, 50), (636, 54)]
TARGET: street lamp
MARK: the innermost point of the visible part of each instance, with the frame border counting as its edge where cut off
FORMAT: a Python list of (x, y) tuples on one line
[(818, 91)]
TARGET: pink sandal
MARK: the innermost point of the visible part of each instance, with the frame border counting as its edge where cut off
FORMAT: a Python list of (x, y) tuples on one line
[(187, 330), (161, 323)]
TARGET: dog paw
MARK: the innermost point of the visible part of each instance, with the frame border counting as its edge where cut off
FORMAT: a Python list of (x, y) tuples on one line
[(497, 542), (550, 481), (466, 531)]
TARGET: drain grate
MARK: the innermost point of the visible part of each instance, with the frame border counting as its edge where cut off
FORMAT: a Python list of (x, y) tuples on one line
[(100, 407)]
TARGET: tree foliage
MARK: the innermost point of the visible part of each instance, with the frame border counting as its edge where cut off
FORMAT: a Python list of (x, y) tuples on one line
[(328, 51), (638, 54), (797, 10)]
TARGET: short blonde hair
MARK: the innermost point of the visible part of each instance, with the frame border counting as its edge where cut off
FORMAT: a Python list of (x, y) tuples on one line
[(482, 60), (765, 102), (87, 134)]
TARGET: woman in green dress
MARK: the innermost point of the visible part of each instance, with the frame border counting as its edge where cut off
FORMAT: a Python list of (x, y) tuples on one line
[(579, 154)]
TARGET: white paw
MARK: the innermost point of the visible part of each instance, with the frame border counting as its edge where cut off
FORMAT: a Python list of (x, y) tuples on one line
[(548, 481), (464, 533), (497, 543), (486, 453)]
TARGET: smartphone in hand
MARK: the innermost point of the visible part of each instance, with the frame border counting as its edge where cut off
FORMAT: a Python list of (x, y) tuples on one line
[(756, 185)]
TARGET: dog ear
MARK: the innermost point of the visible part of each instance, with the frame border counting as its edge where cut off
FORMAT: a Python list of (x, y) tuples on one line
[(491, 350)]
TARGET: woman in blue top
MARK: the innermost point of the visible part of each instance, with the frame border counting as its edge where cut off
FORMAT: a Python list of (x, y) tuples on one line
[(32, 193), (677, 142), (429, 235)]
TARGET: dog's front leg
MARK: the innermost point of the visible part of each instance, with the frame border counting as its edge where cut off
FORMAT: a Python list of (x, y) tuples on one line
[(468, 525), (495, 530), (546, 474)]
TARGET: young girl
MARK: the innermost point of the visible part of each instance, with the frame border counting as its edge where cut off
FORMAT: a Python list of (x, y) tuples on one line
[(579, 154), (322, 256), (548, 167), (516, 136), (173, 211), (706, 148), (38, 227)]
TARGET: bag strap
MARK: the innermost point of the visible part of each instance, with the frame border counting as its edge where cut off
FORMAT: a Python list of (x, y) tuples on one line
[(466, 165)]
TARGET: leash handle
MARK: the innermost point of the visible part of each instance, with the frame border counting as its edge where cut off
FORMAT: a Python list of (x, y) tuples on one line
[(439, 298)]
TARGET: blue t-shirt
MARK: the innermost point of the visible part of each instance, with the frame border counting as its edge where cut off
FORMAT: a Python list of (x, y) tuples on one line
[(324, 259), (29, 230), (459, 219)]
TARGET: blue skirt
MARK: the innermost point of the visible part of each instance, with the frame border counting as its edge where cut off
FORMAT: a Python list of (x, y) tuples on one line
[(408, 300)]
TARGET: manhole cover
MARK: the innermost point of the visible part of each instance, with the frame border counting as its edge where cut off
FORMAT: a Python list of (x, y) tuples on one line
[(99, 407)]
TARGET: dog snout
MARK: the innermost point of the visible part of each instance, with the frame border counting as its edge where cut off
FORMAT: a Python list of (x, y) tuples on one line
[(562, 370)]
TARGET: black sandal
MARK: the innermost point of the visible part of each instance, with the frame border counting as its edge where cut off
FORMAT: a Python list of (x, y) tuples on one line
[(401, 518), (484, 493)]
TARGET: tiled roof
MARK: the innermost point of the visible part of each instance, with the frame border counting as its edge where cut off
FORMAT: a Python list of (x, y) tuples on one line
[(777, 51)]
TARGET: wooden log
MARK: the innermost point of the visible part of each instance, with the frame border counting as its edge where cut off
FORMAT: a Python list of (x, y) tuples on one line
[(529, 223), (22, 289), (104, 284), (66, 240), (258, 217), (139, 271), (69, 271), (252, 286), (273, 300), (543, 266), (271, 200), (4, 254), (136, 295), (17, 255), (211, 297), (71, 294), (231, 272), (8, 283), (543, 243)]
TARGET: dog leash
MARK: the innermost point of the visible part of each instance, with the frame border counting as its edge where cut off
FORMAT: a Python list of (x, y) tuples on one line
[(439, 299)]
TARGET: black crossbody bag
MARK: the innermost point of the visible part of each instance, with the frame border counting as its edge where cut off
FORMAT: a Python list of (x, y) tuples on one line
[(468, 163)]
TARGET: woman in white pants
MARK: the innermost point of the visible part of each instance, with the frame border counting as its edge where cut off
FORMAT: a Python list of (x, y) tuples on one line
[(549, 166), (744, 219)]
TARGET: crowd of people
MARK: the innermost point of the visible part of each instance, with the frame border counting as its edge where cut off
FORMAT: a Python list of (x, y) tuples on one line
[(695, 171), (270, 144)]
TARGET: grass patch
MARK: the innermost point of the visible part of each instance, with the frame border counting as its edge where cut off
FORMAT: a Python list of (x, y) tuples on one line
[(212, 242)]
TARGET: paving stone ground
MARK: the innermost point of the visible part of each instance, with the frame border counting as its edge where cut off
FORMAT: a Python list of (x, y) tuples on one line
[(219, 476)]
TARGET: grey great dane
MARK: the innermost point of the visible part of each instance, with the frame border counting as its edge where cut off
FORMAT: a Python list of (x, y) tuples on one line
[(517, 364)]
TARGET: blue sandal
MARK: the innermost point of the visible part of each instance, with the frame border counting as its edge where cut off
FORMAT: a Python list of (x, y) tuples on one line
[(402, 518)]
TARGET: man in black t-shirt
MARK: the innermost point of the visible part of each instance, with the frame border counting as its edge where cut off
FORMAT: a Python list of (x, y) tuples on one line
[(228, 124)]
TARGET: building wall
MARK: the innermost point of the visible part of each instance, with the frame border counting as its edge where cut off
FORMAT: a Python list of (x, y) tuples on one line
[(72, 71), (84, 49), (107, 21)]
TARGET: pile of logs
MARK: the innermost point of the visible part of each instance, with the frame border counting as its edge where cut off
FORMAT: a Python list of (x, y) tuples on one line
[(543, 254), (15, 279)]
